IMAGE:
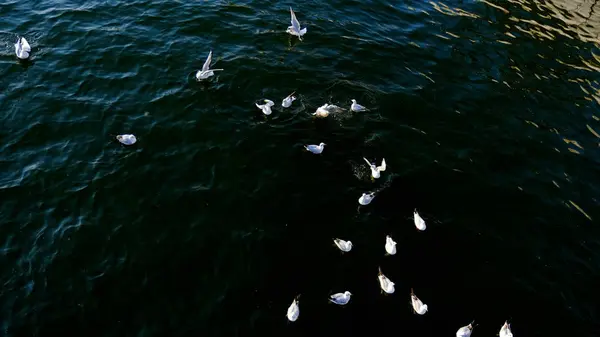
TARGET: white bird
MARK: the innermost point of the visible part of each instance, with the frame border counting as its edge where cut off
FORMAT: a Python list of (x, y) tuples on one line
[(287, 102), (376, 170), (344, 246), (127, 139), (22, 48), (417, 305), (295, 28), (505, 330), (390, 245), (206, 72), (266, 108), (419, 222), (465, 331), (340, 298), (316, 149), (326, 109), (385, 283), (294, 310), (357, 107), (366, 198)]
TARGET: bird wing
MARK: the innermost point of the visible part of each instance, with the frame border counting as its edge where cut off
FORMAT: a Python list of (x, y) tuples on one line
[(417, 304), (295, 23), (368, 162), (337, 297), (25, 45), (383, 166), (206, 65)]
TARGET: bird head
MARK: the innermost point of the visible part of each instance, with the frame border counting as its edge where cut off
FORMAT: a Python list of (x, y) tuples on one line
[(322, 144), (353, 101), (349, 244), (424, 308), (347, 293)]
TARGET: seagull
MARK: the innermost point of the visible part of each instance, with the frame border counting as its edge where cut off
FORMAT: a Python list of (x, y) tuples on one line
[(385, 283), (206, 72), (295, 29), (287, 102), (340, 298), (326, 109), (294, 310), (419, 222), (390, 245), (505, 330), (357, 107), (465, 331), (366, 198), (266, 108), (127, 139), (376, 170), (417, 305), (22, 48), (316, 149), (344, 246)]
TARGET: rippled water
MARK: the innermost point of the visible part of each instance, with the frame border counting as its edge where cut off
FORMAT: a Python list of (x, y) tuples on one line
[(486, 113)]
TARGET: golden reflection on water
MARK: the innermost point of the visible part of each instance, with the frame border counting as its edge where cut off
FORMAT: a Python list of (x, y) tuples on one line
[(570, 30)]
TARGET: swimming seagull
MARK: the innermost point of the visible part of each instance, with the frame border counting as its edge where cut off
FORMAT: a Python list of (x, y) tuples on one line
[(366, 198), (344, 246), (465, 331), (206, 72), (22, 48), (294, 310), (505, 330), (316, 149), (390, 245), (287, 102), (295, 29), (266, 108), (340, 298), (385, 283), (419, 222), (357, 107), (417, 305), (326, 109), (127, 139), (376, 170)]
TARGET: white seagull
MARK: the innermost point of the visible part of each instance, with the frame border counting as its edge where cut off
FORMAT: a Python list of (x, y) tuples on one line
[(390, 245), (22, 48), (366, 198), (127, 139), (326, 109), (376, 170), (385, 283), (287, 102), (357, 107), (294, 310), (340, 298), (505, 330), (344, 246), (295, 29), (465, 331), (417, 305), (206, 72), (316, 149), (266, 108), (419, 222)]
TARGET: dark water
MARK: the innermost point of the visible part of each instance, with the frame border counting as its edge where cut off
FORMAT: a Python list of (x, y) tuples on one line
[(486, 113)]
